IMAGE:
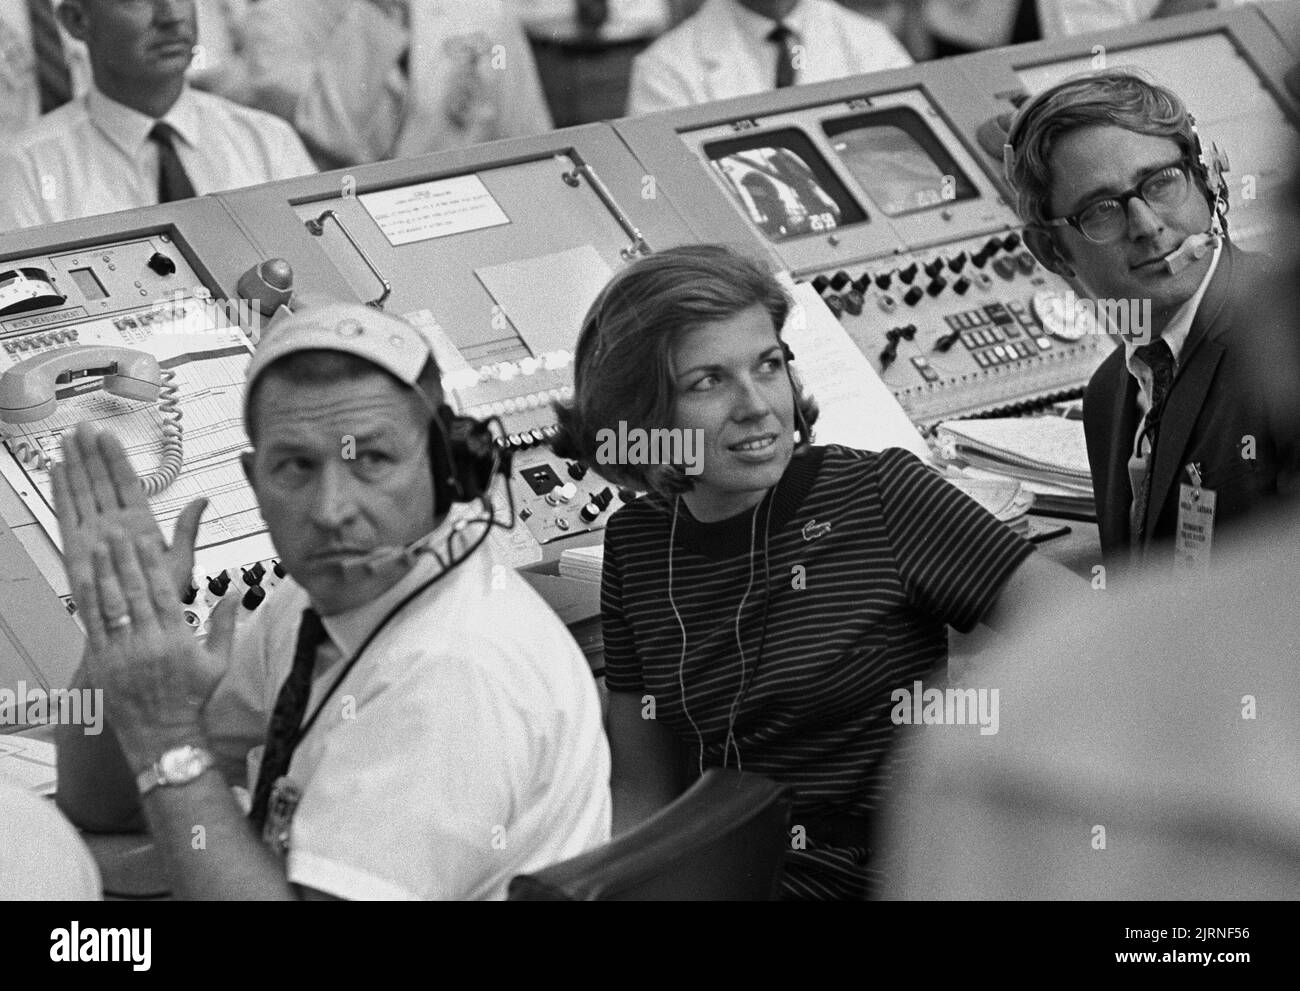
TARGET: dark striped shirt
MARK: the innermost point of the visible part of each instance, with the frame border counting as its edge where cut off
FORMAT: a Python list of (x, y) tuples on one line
[(835, 619)]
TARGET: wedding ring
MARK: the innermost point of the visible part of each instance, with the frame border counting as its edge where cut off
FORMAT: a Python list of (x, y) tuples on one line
[(118, 622)]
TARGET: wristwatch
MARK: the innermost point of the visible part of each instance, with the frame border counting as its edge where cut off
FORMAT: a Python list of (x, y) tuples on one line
[(178, 766)]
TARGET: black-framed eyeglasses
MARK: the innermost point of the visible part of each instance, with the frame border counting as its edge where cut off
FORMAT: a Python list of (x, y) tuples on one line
[(1106, 220)]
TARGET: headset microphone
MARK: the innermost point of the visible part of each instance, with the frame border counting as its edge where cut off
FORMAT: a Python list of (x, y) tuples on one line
[(1193, 249)]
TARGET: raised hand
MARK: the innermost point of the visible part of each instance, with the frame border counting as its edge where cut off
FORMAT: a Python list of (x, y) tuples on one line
[(97, 491), (155, 676)]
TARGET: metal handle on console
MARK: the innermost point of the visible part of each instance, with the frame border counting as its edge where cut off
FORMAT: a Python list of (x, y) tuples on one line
[(638, 245), (317, 228)]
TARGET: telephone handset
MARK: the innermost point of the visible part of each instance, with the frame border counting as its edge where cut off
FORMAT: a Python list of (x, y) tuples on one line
[(27, 395)]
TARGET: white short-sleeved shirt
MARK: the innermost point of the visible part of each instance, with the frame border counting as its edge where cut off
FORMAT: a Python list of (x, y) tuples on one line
[(722, 51), (41, 855), (94, 156), (465, 747)]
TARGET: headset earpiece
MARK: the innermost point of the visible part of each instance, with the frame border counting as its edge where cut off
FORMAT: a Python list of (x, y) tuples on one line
[(464, 456), (1041, 243), (1210, 167), (805, 434)]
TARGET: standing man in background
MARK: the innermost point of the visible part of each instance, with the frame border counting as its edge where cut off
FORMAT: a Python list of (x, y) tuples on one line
[(140, 135), (739, 47), (367, 80), (41, 66)]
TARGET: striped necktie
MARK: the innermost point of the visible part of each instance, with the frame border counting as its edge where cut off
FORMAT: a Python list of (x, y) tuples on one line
[(173, 181), (286, 718), (52, 74), (1160, 359), (781, 36)]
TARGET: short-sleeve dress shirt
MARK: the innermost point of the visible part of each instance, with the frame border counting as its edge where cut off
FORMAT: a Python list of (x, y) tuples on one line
[(464, 748), (94, 156)]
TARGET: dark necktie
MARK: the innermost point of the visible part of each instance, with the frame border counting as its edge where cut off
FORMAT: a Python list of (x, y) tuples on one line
[(290, 706), (1160, 360), (173, 182), (52, 74), (781, 36)]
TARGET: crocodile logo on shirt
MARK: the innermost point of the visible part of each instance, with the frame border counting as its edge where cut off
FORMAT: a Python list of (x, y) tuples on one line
[(812, 529)]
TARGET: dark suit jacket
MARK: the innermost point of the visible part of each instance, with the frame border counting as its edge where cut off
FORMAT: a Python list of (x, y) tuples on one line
[(1222, 392)]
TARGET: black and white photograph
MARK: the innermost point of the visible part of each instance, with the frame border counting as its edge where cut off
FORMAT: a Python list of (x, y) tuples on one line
[(651, 451)]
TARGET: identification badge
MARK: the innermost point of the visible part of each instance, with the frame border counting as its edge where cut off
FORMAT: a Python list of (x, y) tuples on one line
[(285, 796), (1195, 531)]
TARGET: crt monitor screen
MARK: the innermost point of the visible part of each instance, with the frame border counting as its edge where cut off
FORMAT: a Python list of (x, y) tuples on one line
[(898, 160), (783, 184)]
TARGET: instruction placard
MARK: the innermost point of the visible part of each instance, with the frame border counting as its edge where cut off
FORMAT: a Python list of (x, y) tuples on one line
[(434, 209)]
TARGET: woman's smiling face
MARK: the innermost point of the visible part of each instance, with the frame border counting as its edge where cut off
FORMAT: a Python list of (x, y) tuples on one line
[(731, 383)]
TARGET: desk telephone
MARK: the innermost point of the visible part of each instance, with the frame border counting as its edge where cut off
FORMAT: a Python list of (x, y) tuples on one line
[(27, 395)]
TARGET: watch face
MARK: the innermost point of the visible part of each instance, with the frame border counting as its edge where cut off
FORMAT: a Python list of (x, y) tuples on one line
[(181, 764)]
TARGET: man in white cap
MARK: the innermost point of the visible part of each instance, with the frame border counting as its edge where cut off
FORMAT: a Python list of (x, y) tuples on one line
[(434, 732)]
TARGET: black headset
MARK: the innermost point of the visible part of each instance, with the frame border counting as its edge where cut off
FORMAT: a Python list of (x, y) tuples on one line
[(805, 432), (463, 455)]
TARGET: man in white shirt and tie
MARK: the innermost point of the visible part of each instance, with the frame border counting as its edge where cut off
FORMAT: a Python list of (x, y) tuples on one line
[(738, 47), (41, 67), (140, 136)]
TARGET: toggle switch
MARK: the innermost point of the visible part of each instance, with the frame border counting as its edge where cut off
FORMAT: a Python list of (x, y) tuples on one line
[(161, 264)]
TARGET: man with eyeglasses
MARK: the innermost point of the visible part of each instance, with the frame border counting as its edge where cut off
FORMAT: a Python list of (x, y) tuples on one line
[(1119, 197)]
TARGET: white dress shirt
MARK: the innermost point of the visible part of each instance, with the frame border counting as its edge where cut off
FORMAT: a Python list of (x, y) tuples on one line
[(1062, 18), (94, 156), (464, 748), (41, 855), (20, 96), (722, 51)]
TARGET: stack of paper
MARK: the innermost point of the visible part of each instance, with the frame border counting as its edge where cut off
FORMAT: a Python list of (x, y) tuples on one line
[(583, 563), (1047, 453)]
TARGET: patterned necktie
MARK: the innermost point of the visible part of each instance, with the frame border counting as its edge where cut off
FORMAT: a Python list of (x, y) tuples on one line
[(1160, 360), (781, 36), (173, 182), (290, 706), (52, 74)]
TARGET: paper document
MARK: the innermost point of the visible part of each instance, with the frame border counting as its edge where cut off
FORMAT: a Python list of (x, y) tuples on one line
[(857, 408), (545, 298), (433, 209), (1041, 448)]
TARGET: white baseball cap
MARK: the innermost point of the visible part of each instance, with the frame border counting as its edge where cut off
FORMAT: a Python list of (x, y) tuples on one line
[(352, 328)]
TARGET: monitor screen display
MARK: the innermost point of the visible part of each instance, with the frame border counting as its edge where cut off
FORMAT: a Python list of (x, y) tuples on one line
[(783, 184), (898, 161)]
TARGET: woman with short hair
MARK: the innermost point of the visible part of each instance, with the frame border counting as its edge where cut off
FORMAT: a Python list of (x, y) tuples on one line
[(760, 605)]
